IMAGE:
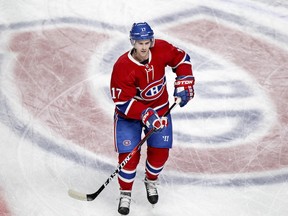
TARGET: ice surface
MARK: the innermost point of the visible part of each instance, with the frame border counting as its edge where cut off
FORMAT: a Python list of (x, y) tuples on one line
[(230, 153)]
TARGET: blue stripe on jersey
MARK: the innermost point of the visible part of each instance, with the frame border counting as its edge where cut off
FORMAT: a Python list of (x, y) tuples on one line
[(123, 107), (185, 77), (187, 58)]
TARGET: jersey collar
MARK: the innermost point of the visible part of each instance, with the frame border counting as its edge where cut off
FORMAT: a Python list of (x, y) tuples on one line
[(135, 61)]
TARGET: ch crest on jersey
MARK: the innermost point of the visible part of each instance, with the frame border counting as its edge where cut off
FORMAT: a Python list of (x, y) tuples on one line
[(153, 90)]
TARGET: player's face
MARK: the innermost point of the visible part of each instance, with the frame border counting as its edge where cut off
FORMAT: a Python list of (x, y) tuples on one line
[(142, 48)]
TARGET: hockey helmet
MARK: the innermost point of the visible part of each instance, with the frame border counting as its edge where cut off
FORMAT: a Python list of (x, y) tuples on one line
[(141, 31)]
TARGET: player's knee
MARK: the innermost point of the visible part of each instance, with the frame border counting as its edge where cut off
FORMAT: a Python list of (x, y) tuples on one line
[(133, 162), (157, 156)]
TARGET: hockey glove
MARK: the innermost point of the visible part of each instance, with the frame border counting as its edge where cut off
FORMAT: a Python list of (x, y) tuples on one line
[(151, 120), (184, 89)]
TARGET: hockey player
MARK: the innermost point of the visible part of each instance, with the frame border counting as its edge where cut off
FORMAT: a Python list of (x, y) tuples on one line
[(139, 91)]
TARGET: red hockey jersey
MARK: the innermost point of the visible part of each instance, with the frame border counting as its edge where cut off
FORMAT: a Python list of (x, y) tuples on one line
[(135, 86)]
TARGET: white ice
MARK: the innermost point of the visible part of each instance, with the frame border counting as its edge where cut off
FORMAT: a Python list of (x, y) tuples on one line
[(35, 177)]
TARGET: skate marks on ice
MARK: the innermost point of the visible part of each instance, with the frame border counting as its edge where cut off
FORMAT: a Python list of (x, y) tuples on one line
[(68, 93), (241, 111), (252, 133)]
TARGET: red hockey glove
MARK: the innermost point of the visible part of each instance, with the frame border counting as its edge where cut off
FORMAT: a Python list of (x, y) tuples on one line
[(184, 89), (151, 119)]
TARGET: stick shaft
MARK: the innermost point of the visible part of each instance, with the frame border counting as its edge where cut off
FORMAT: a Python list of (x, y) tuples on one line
[(92, 196)]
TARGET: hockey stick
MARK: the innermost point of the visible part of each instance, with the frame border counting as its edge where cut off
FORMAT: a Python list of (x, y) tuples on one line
[(92, 196)]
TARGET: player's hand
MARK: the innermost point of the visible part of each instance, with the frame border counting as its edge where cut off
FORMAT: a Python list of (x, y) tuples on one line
[(151, 120), (184, 89)]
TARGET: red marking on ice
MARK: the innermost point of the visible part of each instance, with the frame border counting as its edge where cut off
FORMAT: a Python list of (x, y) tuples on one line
[(268, 64), (3, 207), (50, 73)]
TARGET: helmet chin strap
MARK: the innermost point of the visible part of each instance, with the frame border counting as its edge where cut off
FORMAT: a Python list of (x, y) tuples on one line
[(152, 42), (132, 42)]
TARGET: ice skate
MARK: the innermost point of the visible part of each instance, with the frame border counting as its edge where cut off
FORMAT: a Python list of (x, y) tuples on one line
[(151, 189), (124, 202)]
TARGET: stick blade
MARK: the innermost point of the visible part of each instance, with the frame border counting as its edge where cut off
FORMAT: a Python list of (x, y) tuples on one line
[(77, 195)]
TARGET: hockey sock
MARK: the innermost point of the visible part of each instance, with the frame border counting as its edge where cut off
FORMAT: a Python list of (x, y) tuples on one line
[(156, 158), (127, 174)]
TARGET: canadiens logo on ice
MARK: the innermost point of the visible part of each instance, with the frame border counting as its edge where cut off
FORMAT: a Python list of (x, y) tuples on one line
[(153, 90), (229, 113)]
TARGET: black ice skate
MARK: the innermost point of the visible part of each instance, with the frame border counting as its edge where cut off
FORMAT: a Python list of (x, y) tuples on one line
[(124, 202), (151, 189)]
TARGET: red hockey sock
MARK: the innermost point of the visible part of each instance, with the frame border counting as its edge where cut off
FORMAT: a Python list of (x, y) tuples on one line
[(128, 172), (156, 158)]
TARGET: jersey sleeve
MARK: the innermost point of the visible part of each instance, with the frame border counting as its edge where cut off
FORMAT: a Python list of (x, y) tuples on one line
[(177, 59), (123, 91)]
